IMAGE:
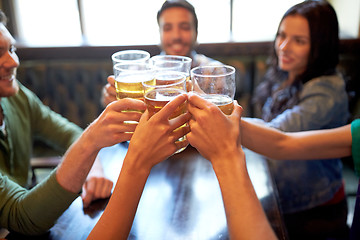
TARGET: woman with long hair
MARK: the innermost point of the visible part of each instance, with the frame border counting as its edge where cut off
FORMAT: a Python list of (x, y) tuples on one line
[(303, 91)]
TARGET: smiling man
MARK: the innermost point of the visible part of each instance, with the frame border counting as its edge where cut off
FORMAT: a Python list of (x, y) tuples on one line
[(178, 26)]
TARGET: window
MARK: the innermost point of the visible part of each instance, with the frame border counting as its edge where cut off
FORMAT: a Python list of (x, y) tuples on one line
[(44, 22), (258, 20), (121, 22)]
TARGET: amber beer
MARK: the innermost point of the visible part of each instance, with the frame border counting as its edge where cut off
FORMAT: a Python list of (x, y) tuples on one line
[(128, 81), (131, 87), (168, 85), (225, 103), (156, 99)]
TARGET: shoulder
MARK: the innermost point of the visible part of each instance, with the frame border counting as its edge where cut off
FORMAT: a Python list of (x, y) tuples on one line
[(335, 81), (333, 85), (24, 94)]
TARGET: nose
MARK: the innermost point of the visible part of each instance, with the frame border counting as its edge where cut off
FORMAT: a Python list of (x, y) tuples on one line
[(285, 44), (10, 60), (176, 33)]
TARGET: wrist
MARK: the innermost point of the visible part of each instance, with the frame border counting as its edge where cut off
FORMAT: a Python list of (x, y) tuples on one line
[(134, 163), (229, 161)]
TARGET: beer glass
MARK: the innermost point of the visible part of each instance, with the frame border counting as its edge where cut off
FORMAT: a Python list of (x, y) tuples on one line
[(167, 86), (215, 84), (181, 63), (129, 78)]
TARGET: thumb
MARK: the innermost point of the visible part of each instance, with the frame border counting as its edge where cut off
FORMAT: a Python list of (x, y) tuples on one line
[(238, 110), (86, 197)]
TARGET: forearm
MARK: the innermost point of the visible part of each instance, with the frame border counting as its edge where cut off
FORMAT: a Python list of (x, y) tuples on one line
[(117, 219), (77, 162), (265, 140), (245, 216), (306, 145), (322, 144)]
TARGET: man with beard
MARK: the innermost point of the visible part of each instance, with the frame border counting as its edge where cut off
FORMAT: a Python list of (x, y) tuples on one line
[(178, 27)]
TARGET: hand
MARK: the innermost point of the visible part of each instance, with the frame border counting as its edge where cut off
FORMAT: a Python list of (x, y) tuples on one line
[(95, 187), (154, 138), (110, 126), (108, 92), (213, 133)]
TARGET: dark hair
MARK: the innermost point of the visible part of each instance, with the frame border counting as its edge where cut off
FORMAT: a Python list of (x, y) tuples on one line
[(179, 3), (3, 18), (322, 60)]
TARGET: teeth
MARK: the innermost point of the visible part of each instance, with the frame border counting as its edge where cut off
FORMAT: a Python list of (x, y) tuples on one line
[(9, 77), (177, 46)]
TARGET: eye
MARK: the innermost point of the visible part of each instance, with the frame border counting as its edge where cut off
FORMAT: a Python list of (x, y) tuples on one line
[(185, 26), (301, 41), (167, 27), (280, 35), (12, 49)]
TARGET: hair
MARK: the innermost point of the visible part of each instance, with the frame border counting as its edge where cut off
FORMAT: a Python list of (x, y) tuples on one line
[(322, 60), (179, 3), (3, 18)]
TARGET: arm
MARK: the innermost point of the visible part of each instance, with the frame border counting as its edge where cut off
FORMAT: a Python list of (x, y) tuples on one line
[(23, 211), (152, 142), (60, 133), (106, 130), (316, 144), (216, 137)]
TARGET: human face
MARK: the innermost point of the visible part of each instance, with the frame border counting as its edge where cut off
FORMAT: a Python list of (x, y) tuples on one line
[(292, 45), (177, 31), (9, 62)]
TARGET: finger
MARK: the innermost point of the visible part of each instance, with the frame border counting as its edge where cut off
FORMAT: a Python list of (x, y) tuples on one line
[(237, 111), (129, 116), (181, 144), (179, 121), (145, 117), (88, 193), (102, 188), (197, 101), (106, 188), (124, 127), (126, 136), (111, 80), (98, 183), (110, 92), (128, 104), (171, 106), (181, 131)]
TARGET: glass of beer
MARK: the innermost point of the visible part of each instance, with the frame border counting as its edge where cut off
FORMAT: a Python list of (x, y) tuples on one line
[(167, 86), (129, 78), (182, 63), (215, 84)]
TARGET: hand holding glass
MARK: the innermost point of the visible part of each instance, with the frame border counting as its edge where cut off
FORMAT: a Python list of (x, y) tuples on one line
[(157, 94)]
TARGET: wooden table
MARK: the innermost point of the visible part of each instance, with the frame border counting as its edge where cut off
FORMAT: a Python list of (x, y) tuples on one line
[(181, 200)]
